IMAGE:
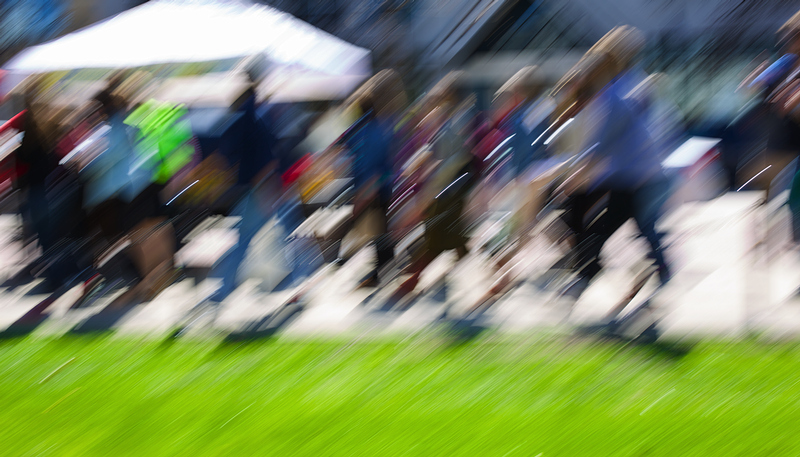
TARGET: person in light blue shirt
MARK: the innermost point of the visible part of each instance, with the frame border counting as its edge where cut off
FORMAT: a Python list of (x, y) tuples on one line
[(114, 174), (114, 179)]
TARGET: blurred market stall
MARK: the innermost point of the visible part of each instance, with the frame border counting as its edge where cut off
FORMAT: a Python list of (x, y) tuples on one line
[(223, 32)]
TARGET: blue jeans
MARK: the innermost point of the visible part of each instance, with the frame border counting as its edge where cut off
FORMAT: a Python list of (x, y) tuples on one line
[(648, 207), (644, 205), (253, 219), (649, 202), (303, 255)]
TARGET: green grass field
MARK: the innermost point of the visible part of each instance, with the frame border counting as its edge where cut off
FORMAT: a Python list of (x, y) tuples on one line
[(493, 396)]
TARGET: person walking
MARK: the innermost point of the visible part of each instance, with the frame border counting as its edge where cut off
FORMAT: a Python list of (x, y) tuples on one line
[(620, 157), (371, 144)]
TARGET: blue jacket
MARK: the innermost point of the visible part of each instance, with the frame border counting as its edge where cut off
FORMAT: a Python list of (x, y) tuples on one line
[(622, 139), (370, 143)]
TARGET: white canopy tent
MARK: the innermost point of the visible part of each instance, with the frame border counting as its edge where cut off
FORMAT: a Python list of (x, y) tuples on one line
[(281, 86), (184, 31)]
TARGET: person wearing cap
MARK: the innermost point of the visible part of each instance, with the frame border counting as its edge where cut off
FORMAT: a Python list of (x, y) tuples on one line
[(776, 78), (620, 153), (775, 85), (779, 85)]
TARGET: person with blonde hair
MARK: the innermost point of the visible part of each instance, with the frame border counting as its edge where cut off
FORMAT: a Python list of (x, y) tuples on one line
[(620, 156)]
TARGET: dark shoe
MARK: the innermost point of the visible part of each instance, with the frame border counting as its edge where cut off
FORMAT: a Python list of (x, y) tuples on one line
[(602, 329), (206, 308), (575, 289), (19, 279), (399, 301), (664, 275), (549, 279), (103, 321), (46, 287), (370, 281)]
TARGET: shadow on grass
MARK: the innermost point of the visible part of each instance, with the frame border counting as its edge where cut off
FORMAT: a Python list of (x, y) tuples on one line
[(460, 332), (661, 348), (16, 332), (264, 328), (10, 339)]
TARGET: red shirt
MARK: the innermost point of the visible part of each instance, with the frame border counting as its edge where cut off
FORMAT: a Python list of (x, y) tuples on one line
[(17, 123)]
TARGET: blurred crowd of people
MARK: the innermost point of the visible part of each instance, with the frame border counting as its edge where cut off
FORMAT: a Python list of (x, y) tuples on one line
[(111, 190), (592, 147)]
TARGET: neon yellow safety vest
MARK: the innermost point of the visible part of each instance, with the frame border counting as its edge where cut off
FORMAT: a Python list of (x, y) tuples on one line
[(163, 138)]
